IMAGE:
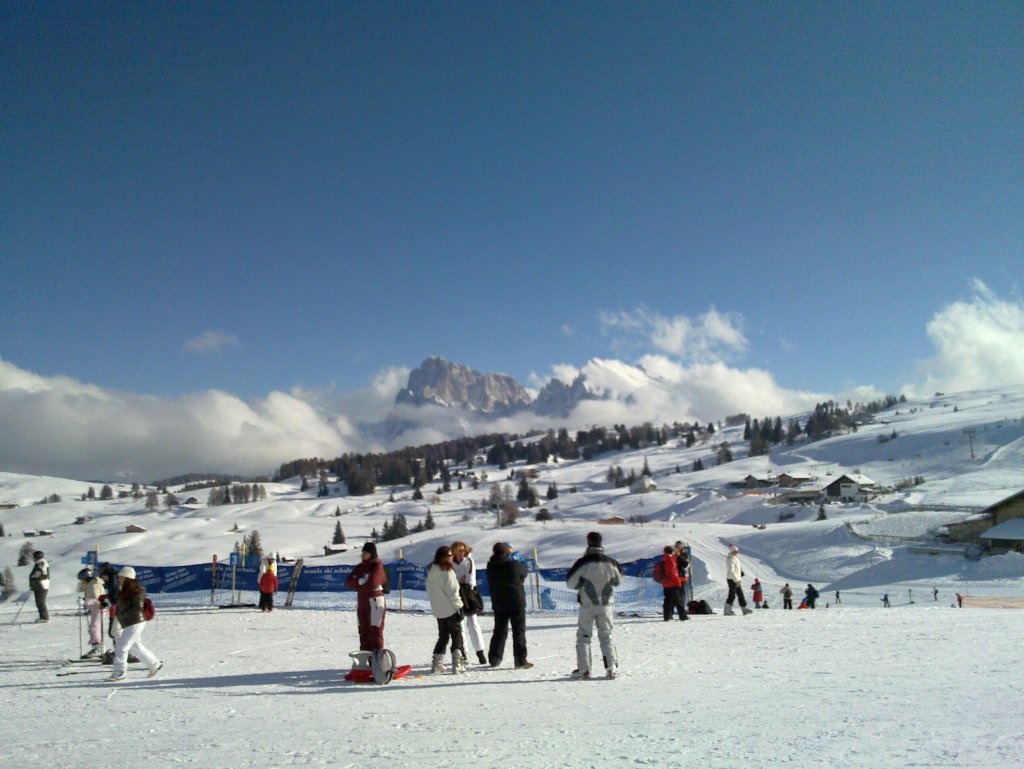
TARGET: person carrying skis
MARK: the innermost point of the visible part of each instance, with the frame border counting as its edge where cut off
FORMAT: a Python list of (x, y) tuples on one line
[(91, 586), (131, 597), (446, 606), (268, 586), (758, 593), (672, 587), (368, 579), (506, 577), (594, 577), (734, 577), (39, 581)]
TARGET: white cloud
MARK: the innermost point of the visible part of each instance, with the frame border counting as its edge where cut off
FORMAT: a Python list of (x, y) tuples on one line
[(75, 430), (210, 341), (710, 337), (978, 344)]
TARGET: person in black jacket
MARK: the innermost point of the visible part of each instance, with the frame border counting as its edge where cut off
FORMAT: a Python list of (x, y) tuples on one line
[(506, 579)]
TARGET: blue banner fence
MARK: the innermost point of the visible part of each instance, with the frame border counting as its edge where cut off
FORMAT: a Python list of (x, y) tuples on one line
[(323, 587)]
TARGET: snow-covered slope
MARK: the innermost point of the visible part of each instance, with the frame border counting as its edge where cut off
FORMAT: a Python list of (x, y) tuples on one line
[(863, 546)]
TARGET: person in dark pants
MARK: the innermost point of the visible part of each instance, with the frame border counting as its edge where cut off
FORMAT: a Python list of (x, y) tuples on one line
[(39, 581), (506, 579), (672, 587), (683, 566), (810, 596)]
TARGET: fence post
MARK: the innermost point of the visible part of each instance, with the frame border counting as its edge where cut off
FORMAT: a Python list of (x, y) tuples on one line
[(401, 572)]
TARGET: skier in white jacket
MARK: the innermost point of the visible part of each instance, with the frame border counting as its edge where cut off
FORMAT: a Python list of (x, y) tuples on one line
[(734, 576), (595, 577)]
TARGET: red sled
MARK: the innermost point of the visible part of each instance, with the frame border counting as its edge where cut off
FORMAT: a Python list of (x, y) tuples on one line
[(363, 676)]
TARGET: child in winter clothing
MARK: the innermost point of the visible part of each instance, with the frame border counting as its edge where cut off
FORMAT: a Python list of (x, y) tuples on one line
[(787, 596), (465, 573), (758, 593), (446, 605), (91, 586), (268, 586)]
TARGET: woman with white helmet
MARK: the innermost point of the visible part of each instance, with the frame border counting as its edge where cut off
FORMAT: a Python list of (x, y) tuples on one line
[(131, 598)]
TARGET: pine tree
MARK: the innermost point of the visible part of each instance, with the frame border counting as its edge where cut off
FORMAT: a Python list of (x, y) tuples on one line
[(9, 587), (91, 493), (552, 491), (339, 535), (253, 545), (428, 522), (152, 501), (25, 554), (107, 493)]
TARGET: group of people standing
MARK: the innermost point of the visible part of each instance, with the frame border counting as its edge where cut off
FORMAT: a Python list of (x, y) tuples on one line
[(125, 596)]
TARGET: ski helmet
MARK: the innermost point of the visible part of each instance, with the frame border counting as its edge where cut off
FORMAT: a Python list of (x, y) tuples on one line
[(37, 554), (85, 574)]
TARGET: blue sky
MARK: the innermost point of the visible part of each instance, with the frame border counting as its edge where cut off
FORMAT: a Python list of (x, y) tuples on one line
[(255, 197)]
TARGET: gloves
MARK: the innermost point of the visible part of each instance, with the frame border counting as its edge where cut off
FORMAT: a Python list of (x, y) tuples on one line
[(363, 579)]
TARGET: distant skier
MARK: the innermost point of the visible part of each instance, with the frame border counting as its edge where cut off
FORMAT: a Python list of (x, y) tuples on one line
[(810, 596), (594, 577), (734, 577), (39, 581), (787, 596), (837, 597), (368, 579), (935, 594), (885, 601), (758, 592)]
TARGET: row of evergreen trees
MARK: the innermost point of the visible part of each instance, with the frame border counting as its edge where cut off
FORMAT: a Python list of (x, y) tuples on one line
[(418, 465)]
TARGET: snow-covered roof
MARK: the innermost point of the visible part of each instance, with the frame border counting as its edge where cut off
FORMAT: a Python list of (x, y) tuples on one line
[(1012, 529)]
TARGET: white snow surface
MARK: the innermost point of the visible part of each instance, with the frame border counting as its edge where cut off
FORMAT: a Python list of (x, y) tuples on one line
[(853, 684)]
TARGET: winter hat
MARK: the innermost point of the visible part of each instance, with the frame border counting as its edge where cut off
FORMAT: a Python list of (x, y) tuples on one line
[(127, 572), (501, 548), (272, 568), (37, 554), (594, 539), (733, 548), (369, 547)]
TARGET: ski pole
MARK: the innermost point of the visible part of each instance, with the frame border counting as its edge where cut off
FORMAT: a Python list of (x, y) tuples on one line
[(24, 600), (81, 605)]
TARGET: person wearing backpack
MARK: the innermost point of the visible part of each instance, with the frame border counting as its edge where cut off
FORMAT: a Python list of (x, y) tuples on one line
[(39, 581), (810, 596), (368, 579), (594, 577), (131, 600), (671, 585)]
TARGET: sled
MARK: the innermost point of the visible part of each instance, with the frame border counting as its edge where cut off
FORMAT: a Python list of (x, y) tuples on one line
[(376, 666)]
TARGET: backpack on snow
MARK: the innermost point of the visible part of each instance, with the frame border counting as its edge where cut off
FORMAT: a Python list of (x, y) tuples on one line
[(148, 610), (699, 607), (659, 572)]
